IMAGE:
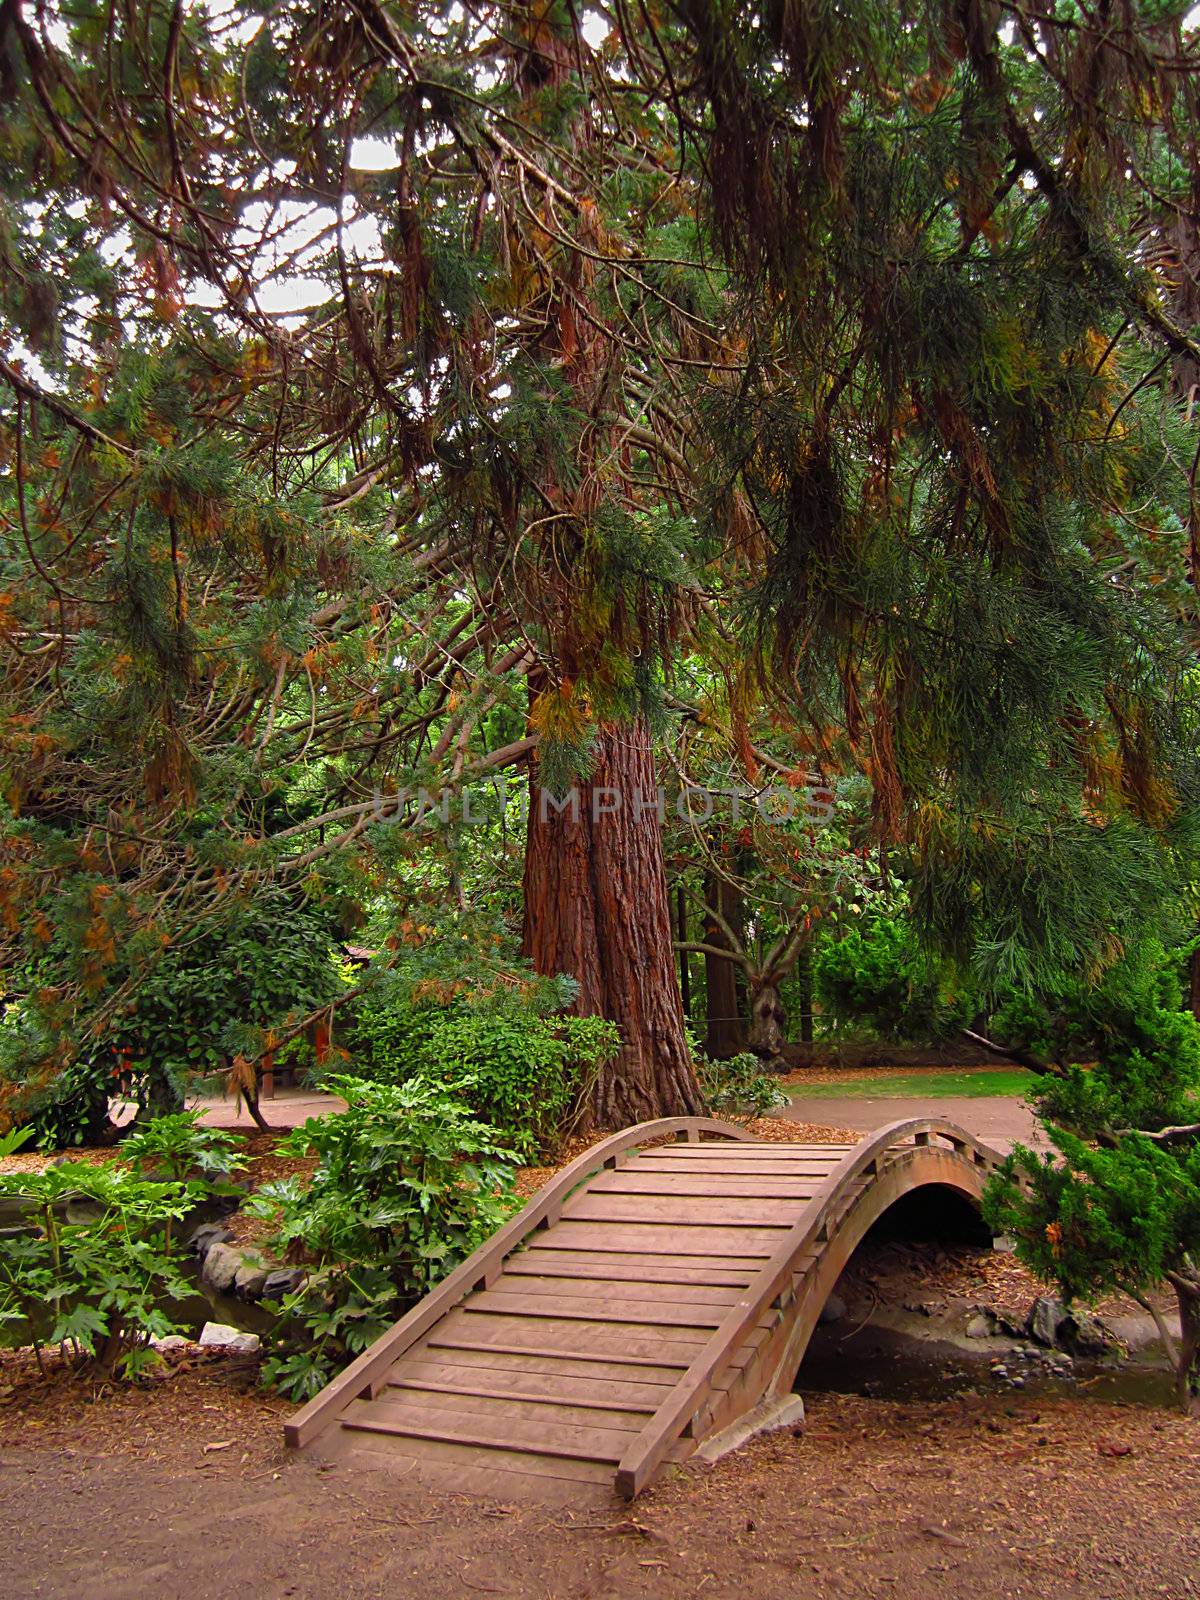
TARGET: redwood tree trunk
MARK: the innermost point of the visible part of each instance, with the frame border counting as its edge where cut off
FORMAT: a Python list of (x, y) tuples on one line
[(724, 1035), (596, 907)]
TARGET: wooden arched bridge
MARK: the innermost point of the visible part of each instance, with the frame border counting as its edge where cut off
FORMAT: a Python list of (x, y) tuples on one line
[(648, 1297)]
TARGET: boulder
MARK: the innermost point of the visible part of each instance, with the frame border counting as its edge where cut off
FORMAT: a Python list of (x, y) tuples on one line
[(201, 1240), (1085, 1335), (220, 1336), (221, 1265), (284, 1280), (987, 1323), (171, 1341), (1079, 1333), (249, 1279), (1046, 1317)]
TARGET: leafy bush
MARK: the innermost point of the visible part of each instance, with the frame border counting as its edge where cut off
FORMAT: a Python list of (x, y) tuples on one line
[(409, 1183), (180, 1147), (739, 1086), (386, 1031), (89, 1260), (877, 977), (72, 1110), (218, 994), (519, 1065), (521, 1072), (1117, 1204), (1140, 1047)]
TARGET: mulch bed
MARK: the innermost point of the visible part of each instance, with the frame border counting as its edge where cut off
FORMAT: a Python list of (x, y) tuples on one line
[(195, 1394)]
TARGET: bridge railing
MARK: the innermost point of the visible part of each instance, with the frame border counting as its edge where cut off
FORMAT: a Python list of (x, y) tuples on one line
[(685, 1401), (482, 1267)]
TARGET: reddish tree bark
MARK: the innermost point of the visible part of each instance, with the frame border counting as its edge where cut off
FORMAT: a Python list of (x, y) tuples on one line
[(596, 907)]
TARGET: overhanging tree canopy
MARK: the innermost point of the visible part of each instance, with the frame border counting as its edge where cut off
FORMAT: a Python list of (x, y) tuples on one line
[(367, 366)]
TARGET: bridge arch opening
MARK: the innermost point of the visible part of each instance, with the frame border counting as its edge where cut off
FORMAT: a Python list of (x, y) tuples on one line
[(878, 1332), (931, 1213)]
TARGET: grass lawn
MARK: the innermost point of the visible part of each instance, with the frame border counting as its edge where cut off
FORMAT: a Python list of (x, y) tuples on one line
[(969, 1082)]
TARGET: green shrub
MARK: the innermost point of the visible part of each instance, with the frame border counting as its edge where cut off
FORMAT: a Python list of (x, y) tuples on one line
[(89, 1261), (386, 1032), (180, 1147), (1139, 1048), (1116, 1205), (878, 978), (518, 1065), (409, 1183), (520, 1071), (739, 1086)]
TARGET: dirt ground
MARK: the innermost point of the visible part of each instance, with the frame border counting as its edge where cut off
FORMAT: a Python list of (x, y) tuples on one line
[(183, 1491)]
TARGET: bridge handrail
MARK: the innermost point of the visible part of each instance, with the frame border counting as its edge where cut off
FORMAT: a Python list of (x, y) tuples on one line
[(481, 1265), (647, 1452)]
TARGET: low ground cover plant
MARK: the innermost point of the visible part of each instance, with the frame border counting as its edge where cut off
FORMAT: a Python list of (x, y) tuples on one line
[(93, 1257), (91, 1262), (739, 1087), (179, 1146)]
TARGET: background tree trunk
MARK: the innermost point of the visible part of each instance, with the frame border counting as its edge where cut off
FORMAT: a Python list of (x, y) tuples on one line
[(685, 970), (804, 976), (596, 907), (768, 1023), (725, 1033)]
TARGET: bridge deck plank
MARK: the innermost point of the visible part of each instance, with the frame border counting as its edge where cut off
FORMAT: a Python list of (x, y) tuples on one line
[(767, 1186), (614, 1341), (635, 1265), (526, 1383), (499, 1408), (542, 1437), (718, 1165), (591, 1290), (612, 1308), (683, 1211), (660, 1239), (626, 1366), (766, 1150)]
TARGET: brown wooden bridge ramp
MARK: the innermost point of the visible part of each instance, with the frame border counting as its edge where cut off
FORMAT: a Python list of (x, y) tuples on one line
[(651, 1294)]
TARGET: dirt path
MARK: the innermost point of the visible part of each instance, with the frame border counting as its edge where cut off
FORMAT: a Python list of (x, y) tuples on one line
[(970, 1500), (999, 1120)]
